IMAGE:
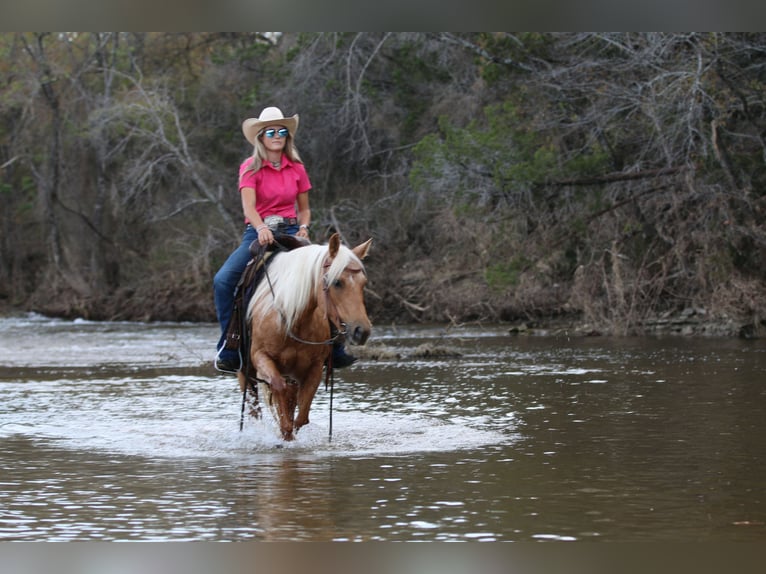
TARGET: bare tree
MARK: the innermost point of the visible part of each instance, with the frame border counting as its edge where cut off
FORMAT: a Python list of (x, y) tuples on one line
[(48, 176)]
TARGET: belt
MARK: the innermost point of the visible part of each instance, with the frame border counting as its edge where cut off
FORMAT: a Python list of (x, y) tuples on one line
[(274, 221)]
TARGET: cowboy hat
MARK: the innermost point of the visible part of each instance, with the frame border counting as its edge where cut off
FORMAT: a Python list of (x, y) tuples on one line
[(269, 117)]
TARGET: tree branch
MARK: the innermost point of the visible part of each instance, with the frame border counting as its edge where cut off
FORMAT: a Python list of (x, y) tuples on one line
[(620, 176)]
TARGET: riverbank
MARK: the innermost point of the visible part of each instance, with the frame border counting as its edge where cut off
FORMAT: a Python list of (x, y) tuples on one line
[(689, 322)]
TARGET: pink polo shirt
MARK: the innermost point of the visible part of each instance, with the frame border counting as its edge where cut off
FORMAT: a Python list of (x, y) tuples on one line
[(276, 190)]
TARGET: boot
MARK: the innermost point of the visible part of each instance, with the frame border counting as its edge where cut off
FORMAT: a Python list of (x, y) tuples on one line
[(227, 361), (340, 358)]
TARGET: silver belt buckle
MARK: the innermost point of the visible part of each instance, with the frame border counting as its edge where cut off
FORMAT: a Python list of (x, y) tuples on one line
[(273, 221)]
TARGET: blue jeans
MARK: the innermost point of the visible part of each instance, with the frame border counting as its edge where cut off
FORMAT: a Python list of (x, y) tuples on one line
[(225, 281)]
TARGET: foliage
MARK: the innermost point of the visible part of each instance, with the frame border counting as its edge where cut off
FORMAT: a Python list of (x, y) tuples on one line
[(504, 275), (613, 176)]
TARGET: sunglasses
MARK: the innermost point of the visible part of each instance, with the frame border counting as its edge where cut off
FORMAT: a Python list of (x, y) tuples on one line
[(271, 132)]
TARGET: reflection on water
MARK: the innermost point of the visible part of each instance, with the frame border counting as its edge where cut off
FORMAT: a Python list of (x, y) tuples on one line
[(121, 431)]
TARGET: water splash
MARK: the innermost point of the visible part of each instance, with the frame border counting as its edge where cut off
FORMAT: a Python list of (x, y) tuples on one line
[(189, 416)]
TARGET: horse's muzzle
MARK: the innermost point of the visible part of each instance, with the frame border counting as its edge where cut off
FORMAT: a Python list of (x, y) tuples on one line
[(357, 334)]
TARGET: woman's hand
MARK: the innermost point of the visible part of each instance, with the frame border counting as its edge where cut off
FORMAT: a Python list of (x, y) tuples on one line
[(303, 232), (265, 236)]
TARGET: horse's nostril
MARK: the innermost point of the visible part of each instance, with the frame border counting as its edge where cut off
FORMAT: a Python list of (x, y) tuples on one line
[(360, 335)]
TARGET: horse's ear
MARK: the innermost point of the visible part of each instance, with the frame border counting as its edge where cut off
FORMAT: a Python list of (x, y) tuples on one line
[(334, 245), (361, 250)]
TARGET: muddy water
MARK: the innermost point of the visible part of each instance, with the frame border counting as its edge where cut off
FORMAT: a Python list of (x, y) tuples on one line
[(122, 431)]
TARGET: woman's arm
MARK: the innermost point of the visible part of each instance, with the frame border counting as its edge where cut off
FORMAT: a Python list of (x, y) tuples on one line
[(265, 236), (304, 215)]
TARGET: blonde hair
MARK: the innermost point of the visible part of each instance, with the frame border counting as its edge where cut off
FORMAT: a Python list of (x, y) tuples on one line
[(293, 281), (259, 152)]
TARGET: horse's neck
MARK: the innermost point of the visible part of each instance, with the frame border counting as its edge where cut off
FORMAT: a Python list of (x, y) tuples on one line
[(313, 320)]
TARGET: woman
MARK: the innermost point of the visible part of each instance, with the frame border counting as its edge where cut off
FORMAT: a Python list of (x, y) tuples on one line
[(273, 186)]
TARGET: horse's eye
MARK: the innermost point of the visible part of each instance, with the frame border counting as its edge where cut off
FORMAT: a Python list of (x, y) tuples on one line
[(338, 284)]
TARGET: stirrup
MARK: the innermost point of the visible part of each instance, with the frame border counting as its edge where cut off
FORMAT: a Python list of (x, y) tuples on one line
[(230, 366)]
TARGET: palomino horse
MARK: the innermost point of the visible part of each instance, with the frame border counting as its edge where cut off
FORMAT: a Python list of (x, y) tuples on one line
[(309, 296)]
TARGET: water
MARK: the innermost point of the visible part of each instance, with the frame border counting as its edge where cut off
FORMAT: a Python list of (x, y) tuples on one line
[(122, 431)]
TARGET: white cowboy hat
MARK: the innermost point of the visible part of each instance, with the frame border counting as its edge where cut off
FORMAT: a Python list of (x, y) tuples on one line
[(269, 117)]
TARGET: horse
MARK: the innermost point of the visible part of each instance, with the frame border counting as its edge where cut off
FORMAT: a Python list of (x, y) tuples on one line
[(310, 296)]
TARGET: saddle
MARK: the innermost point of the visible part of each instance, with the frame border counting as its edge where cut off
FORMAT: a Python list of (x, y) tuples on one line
[(237, 336)]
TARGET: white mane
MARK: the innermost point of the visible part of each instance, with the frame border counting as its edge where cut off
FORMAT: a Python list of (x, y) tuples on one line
[(293, 278)]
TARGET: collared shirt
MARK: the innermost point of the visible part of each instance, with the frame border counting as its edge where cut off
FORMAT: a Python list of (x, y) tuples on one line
[(276, 190)]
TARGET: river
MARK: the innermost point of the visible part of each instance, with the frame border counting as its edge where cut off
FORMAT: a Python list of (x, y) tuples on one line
[(123, 431)]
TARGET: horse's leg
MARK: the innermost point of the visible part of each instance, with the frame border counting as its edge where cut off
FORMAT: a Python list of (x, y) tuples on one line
[(290, 400), (282, 394), (306, 392)]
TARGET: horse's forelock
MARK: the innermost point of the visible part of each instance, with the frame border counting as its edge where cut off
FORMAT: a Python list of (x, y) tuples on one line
[(343, 259)]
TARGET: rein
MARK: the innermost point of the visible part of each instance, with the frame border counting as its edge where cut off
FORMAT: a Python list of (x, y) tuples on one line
[(329, 341)]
